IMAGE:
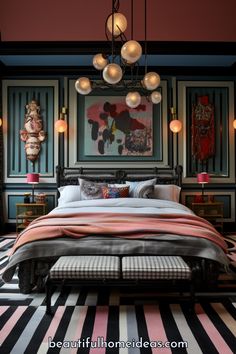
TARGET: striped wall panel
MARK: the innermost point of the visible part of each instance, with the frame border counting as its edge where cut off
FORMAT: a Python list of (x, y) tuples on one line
[(17, 94), (221, 166)]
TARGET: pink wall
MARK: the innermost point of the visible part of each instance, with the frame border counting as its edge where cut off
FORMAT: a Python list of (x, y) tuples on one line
[(76, 20)]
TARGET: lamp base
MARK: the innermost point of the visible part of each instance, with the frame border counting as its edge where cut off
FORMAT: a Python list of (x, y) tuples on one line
[(32, 201)]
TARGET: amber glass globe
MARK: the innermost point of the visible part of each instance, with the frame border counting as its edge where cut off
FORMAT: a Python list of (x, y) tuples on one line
[(133, 99), (60, 126), (175, 126), (156, 97), (131, 51), (112, 73), (119, 23), (83, 86), (151, 81), (99, 61)]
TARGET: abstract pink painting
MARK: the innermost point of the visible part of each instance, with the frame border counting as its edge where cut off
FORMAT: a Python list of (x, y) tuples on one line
[(113, 129)]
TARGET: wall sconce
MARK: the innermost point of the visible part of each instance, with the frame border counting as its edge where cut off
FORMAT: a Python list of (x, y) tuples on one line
[(234, 123), (61, 124), (203, 178), (0, 122), (175, 124), (33, 178)]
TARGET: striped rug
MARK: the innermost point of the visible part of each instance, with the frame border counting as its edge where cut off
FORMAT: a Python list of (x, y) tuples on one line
[(112, 321)]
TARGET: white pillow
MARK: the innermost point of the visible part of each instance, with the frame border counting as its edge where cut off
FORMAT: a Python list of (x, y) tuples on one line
[(141, 189), (167, 192), (68, 194)]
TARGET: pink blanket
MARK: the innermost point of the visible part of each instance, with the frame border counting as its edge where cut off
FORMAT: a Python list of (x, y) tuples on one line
[(117, 225)]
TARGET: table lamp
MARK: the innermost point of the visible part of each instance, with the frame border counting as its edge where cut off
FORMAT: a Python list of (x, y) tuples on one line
[(33, 178), (203, 178)]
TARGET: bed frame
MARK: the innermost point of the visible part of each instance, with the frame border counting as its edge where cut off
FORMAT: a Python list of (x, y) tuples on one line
[(70, 175), (205, 271), (208, 271)]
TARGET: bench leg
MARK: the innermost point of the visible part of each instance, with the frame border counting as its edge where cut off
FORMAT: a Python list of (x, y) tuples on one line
[(48, 297), (192, 297)]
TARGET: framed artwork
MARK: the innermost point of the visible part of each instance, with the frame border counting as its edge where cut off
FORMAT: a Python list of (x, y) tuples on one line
[(107, 130), (207, 139), (113, 129)]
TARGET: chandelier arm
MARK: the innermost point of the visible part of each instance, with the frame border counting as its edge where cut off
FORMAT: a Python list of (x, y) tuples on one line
[(106, 30)]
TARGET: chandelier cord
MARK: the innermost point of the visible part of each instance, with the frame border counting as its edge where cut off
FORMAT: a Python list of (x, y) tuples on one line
[(112, 26), (145, 34), (132, 19)]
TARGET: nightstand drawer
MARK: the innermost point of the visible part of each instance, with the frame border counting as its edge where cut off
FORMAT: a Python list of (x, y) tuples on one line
[(27, 212), (213, 212)]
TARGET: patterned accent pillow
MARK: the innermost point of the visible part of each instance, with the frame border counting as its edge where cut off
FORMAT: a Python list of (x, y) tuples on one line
[(115, 192), (124, 191), (91, 190), (143, 189)]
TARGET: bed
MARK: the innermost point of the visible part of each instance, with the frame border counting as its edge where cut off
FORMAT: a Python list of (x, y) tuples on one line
[(117, 212)]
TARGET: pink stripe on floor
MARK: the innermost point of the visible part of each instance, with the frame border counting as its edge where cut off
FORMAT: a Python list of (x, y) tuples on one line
[(155, 327), (7, 328), (3, 309), (100, 327), (212, 332), (54, 324)]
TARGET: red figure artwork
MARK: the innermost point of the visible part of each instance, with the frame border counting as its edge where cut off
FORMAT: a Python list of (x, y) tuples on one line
[(203, 129)]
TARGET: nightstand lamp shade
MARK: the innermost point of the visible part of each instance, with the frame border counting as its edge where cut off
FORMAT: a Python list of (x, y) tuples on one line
[(203, 178), (33, 178)]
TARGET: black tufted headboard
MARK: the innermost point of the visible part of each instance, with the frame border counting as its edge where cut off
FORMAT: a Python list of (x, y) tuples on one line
[(70, 175)]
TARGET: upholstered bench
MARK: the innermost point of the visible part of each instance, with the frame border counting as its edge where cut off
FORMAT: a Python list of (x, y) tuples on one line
[(78, 268), (155, 267), (107, 270)]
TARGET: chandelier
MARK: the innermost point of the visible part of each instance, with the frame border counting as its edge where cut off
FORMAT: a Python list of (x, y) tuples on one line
[(115, 66)]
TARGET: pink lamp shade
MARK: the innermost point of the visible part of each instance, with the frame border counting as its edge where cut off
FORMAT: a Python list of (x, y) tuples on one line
[(203, 178), (33, 178)]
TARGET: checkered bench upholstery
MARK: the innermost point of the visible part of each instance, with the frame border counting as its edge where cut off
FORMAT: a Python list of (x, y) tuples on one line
[(105, 269), (155, 267), (86, 267)]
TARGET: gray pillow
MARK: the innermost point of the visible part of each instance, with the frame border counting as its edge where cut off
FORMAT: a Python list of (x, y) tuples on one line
[(90, 189), (143, 189)]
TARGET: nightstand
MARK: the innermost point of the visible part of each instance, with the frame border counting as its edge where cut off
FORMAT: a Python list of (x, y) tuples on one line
[(213, 212), (27, 212)]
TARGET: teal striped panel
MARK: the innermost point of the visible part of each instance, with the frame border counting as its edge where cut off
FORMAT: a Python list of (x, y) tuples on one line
[(18, 98)]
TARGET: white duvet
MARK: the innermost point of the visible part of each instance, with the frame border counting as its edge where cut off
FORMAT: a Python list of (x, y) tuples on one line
[(123, 205)]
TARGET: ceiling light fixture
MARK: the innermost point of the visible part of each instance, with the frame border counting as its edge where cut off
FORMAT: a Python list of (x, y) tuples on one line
[(115, 66)]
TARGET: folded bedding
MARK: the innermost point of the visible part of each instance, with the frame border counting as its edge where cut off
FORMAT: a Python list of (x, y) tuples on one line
[(129, 220)]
